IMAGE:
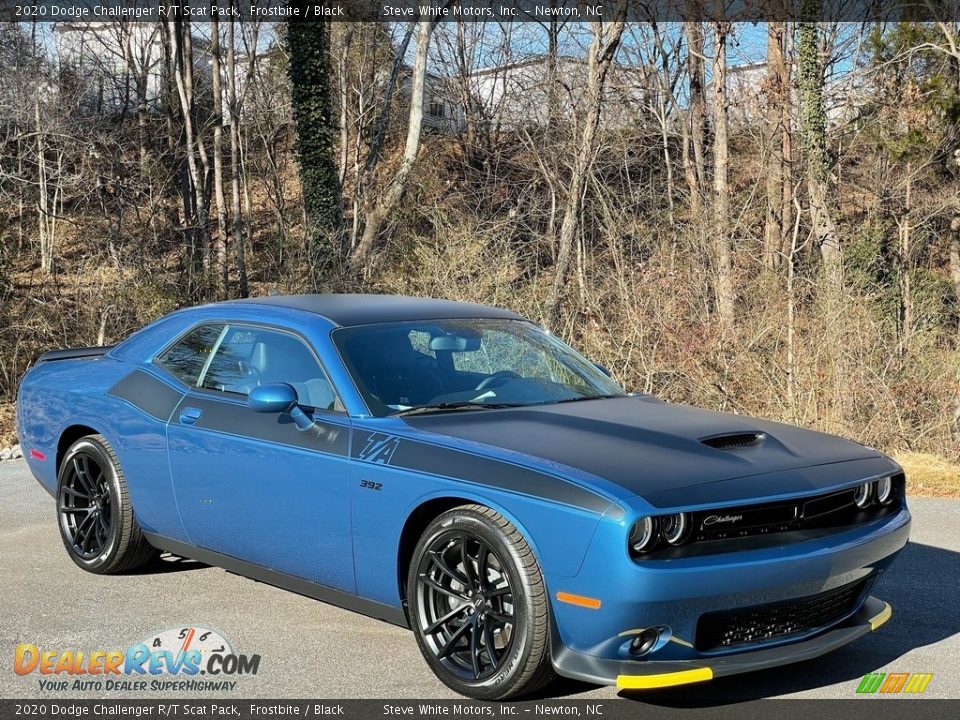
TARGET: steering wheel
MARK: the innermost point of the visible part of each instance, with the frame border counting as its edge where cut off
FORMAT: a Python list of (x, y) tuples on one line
[(499, 378)]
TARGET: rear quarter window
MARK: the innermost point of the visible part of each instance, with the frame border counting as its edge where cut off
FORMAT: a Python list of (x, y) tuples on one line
[(186, 358)]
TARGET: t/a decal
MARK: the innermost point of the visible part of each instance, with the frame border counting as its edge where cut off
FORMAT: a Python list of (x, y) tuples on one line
[(380, 449)]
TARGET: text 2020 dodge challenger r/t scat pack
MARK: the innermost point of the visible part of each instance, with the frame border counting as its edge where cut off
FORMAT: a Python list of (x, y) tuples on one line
[(457, 469)]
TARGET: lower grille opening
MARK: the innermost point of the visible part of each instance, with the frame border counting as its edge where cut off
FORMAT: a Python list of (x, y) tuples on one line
[(744, 626)]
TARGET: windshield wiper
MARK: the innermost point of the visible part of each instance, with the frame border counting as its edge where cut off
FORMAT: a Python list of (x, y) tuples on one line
[(441, 407), (587, 397)]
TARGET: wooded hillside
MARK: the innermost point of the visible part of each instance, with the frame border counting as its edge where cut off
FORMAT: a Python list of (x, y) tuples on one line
[(778, 237)]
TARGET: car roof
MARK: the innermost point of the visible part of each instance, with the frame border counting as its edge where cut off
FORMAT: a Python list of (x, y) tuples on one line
[(355, 309)]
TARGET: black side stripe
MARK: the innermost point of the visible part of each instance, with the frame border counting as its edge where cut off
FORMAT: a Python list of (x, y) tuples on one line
[(376, 448), (159, 400), (237, 419), (144, 391)]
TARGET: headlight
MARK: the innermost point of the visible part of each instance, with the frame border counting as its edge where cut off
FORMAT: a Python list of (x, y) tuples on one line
[(674, 528), (883, 490), (861, 495), (644, 534)]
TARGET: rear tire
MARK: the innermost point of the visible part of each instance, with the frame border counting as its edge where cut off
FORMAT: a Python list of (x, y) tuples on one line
[(96, 520), (478, 605)]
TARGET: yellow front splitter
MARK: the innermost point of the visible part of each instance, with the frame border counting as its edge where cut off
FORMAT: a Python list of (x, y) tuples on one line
[(881, 617), (651, 682)]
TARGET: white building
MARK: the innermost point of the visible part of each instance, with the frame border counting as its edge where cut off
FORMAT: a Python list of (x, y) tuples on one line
[(518, 94), (112, 58)]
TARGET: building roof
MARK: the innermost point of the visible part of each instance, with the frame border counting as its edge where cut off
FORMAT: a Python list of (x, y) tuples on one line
[(347, 310)]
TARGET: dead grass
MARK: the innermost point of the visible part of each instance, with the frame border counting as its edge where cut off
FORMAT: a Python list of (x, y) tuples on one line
[(930, 475), (8, 433)]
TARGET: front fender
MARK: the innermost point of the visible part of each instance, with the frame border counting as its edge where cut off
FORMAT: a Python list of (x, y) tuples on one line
[(558, 535)]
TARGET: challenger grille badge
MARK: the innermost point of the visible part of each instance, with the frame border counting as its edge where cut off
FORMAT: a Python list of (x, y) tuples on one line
[(718, 519)]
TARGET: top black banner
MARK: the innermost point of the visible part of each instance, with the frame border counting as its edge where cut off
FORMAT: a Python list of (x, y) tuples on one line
[(541, 11)]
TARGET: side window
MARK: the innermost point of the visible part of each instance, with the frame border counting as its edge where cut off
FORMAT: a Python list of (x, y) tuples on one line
[(248, 357), (186, 359)]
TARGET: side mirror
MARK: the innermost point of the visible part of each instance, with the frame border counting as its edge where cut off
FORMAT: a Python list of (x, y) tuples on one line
[(603, 369), (273, 398), (279, 398)]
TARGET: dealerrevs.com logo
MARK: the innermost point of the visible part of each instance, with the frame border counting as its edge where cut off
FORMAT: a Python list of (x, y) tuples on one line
[(188, 659)]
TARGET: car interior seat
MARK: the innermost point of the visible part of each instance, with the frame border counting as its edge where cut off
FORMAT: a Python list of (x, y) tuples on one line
[(286, 360), (395, 372)]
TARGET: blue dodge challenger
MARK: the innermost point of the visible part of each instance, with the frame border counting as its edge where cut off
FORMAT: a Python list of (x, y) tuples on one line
[(458, 470)]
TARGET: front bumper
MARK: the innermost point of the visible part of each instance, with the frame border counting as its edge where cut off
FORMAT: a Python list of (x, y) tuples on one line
[(648, 675), (591, 643)]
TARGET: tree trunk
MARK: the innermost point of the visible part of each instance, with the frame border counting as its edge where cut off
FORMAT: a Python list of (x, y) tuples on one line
[(813, 129), (138, 66), (391, 197), (383, 121), (183, 76), (46, 241), (553, 76), (603, 49), (904, 267), (239, 238), (220, 275), (721, 190), (697, 121), (779, 186), (671, 103), (309, 67), (343, 90)]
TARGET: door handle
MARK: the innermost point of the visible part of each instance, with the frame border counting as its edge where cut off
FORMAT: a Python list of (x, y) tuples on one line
[(190, 415)]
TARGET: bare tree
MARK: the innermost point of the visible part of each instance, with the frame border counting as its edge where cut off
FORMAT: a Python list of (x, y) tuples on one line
[(721, 161), (779, 139), (194, 189), (603, 50), (220, 244), (697, 118), (394, 192), (234, 103)]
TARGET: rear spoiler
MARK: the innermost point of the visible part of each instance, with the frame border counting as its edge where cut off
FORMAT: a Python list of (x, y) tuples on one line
[(74, 353)]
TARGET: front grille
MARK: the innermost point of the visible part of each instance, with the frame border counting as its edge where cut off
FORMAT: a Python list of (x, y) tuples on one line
[(760, 623), (833, 509)]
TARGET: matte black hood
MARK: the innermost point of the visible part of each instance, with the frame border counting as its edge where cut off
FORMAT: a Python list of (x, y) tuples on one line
[(650, 447)]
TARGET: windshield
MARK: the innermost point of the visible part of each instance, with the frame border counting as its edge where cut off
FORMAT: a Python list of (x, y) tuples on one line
[(453, 364)]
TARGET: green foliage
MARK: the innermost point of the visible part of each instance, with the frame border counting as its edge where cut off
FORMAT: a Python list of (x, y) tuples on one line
[(933, 301), (872, 270), (908, 55), (917, 103), (868, 262), (309, 69)]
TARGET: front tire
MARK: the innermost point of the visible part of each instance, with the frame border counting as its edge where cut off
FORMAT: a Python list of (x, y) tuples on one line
[(94, 514), (478, 605)]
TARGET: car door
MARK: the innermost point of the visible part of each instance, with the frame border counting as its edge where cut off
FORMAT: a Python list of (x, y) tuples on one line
[(251, 485)]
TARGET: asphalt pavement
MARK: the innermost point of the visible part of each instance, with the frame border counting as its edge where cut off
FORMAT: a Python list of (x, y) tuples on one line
[(312, 650)]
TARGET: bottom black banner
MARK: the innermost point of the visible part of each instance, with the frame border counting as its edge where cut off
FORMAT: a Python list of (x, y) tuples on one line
[(619, 709)]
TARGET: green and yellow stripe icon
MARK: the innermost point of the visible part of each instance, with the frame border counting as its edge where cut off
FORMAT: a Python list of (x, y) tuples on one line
[(889, 683)]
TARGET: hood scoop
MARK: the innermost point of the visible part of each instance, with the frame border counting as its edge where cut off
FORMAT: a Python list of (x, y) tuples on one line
[(734, 441)]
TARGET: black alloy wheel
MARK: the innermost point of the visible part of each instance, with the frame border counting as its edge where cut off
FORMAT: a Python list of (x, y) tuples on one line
[(96, 519), (85, 506), (466, 605), (478, 606)]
